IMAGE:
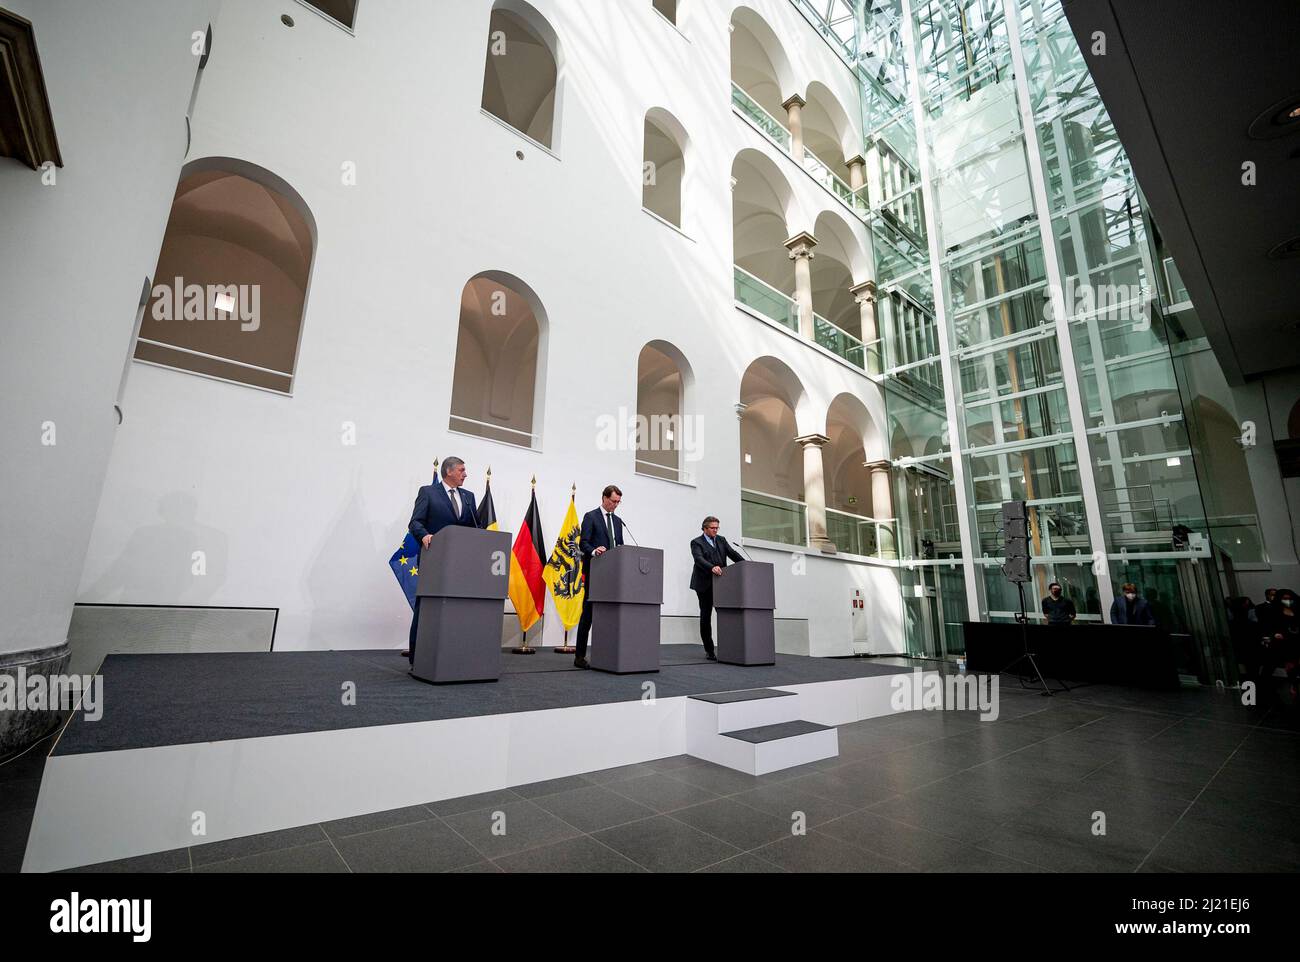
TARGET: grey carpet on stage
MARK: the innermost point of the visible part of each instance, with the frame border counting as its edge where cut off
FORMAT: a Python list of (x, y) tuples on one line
[(153, 700)]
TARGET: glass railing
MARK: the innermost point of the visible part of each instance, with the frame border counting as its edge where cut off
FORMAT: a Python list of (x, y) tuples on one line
[(838, 341), (770, 517), (762, 297), (832, 181), (860, 535), (1240, 537), (875, 355), (760, 118)]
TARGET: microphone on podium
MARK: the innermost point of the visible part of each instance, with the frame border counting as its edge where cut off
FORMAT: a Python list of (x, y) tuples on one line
[(629, 531)]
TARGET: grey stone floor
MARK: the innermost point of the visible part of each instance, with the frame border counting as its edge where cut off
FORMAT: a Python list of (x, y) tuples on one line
[(1187, 782)]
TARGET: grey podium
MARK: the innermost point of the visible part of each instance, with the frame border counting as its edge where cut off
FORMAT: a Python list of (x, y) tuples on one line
[(745, 598), (461, 591), (626, 588)]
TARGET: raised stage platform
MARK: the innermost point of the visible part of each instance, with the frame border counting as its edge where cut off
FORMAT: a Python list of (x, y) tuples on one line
[(205, 747)]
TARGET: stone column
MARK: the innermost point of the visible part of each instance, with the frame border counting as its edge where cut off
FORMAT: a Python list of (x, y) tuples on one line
[(882, 504), (865, 295), (858, 180), (794, 121), (814, 491), (800, 247)]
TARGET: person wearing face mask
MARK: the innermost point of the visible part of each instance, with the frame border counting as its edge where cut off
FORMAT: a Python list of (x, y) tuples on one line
[(1282, 641), (1129, 609), (1058, 609)]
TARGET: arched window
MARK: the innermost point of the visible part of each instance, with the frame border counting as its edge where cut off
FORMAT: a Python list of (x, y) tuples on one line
[(840, 262), (761, 78), (771, 461), (760, 203), (231, 283), (521, 80), (495, 391), (858, 496), (666, 436), (664, 168), (826, 129)]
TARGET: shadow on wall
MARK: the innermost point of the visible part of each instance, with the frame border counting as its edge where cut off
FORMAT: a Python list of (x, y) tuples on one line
[(348, 578), (176, 562)]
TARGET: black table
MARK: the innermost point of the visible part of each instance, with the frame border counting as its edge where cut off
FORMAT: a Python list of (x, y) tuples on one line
[(1137, 655)]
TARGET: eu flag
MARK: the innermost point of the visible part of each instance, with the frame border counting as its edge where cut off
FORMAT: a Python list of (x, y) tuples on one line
[(405, 562)]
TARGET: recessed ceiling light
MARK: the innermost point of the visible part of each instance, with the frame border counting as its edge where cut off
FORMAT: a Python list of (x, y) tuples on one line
[(1288, 248), (1278, 120), (286, 20)]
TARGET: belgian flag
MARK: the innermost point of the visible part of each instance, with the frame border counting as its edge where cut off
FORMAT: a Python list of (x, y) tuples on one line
[(487, 511), (527, 589)]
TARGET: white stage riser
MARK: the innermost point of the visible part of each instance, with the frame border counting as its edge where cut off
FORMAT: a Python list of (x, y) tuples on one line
[(110, 805), (766, 757), (733, 716), (786, 753)]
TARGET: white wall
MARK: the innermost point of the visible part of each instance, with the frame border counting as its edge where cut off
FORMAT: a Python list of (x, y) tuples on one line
[(291, 517), (73, 258), (1267, 402)]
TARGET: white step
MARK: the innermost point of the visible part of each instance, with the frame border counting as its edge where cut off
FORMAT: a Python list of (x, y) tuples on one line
[(726, 711), (755, 731), (771, 748)]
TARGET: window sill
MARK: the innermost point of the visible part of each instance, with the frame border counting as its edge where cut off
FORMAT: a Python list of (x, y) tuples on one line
[(667, 223), (350, 31), (519, 133), (509, 444), (676, 29), (659, 477)]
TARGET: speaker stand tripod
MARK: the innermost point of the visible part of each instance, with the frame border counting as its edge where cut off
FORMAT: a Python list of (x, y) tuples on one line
[(1028, 656)]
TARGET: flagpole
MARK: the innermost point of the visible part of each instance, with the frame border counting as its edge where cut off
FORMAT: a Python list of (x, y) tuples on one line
[(566, 648), (524, 648)]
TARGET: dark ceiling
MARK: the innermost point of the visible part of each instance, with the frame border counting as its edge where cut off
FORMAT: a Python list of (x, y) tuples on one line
[(1184, 81)]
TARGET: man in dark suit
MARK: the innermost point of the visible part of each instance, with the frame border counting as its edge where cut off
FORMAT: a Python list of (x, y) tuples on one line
[(436, 506), (601, 530), (709, 552), (1130, 609)]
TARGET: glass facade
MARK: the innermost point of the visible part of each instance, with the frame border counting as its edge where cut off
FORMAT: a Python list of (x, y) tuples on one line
[(1036, 342)]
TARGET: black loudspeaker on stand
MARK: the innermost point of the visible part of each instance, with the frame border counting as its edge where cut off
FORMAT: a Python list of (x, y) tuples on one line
[(1015, 529)]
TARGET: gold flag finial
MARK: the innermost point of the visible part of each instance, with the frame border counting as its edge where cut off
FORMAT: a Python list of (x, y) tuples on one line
[(534, 480), (573, 490), (489, 472)]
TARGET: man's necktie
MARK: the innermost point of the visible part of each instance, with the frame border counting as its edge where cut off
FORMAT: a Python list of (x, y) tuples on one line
[(455, 502), (609, 526)]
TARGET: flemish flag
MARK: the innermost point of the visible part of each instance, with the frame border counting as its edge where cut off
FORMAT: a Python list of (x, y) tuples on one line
[(564, 570), (527, 590)]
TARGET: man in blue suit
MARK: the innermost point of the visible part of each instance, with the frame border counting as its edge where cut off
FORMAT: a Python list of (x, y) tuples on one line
[(601, 530), (709, 555), (1130, 609), (436, 506)]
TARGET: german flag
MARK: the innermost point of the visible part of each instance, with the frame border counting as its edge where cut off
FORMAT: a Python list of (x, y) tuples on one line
[(527, 589)]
